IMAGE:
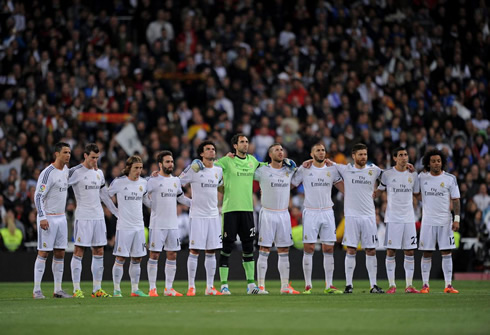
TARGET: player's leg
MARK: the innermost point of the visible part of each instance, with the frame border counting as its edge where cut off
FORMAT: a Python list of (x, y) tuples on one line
[(229, 237), (172, 245), (393, 241), (39, 267), (266, 238), (138, 250), (350, 240), (328, 237), (390, 264), (196, 242), (308, 251), (311, 228), (283, 240), (428, 238), (369, 242), (191, 271), (446, 244), (121, 251), (213, 243), (60, 243), (152, 269), (76, 270), (99, 240), (246, 231), (409, 245)]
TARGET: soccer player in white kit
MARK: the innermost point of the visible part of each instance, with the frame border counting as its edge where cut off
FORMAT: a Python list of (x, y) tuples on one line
[(205, 223), (401, 186), (439, 192), (88, 184), (274, 218), (360, 215), (164, 191), (130, 191), (52, 230), (318, 216)]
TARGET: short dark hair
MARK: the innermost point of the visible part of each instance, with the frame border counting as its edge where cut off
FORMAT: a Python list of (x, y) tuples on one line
[(395, 152), (200, 148), (163, 154), (429, 154), (318, 144), (275, 144), (60, 145), (91, 147), (129, 163), (358, 146), (236, 137)]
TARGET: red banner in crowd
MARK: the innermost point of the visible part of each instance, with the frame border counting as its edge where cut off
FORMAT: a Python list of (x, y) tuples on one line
[(105, 117)]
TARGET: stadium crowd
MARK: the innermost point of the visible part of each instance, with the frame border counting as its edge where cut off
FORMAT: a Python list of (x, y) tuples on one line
[(382, 72)]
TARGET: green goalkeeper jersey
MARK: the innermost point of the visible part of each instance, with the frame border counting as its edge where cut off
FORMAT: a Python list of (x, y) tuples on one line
[(238, 177)]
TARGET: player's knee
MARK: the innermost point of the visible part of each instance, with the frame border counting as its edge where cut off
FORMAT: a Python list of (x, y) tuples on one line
[(248, 247), (227, 248)]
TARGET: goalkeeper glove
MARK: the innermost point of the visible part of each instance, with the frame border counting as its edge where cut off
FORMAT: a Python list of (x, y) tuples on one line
[(290, 164), (197, 165)]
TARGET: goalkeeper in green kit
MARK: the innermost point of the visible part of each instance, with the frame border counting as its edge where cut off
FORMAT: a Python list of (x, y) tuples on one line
[(238, 176)]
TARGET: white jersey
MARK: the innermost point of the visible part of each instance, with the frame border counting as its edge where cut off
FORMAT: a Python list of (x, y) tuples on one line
[(359, 187), (86, 184), (204, 185), (275, 185), (163, 192), (400, 187), (437, 192), (317, 183), (129, 202), (51, 191)]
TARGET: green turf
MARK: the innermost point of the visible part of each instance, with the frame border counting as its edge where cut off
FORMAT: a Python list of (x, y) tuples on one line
[(359, 313)]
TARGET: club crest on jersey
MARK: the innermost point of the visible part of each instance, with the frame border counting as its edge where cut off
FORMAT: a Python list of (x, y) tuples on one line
[(226, 234), (79, 239), (175, 185), (410, 180), (44, 244), (42, 188), (370, 172), (119, 249), (442, 184), (389, 242), (141, 188), (98, 177), (153, 244), (260, 239), (192, 242), (250, 165), (287, 174), (216, 175), (328, 174), (306, 237)]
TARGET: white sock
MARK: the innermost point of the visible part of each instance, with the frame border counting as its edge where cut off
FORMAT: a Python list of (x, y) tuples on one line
[(134, 275), (372, 268), (447, 268), (76, 271), (39, 266), (307, 267), (390, 269), (97, 272), (210, 266), (350, 265), (117, 273), (57, 267), (152, 268), (262, 267), (170, 270), (283, 266), (328, 267), (192, 269), (425, 266), (409, 265)]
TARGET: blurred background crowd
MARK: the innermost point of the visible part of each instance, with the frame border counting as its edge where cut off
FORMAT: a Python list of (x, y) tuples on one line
[(383, 72)]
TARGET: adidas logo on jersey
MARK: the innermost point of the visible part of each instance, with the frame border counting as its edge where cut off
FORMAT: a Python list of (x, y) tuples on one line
[(201, 176), (125, 188), (85, 178), (311, 175), (394, 180)]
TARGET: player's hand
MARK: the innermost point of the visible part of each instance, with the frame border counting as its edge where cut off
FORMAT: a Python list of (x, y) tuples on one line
[(328, 162), (44, 224), (375, 195), (289, 163), (410, 167), (154, 173), (230, 154), (307, 164), (455, 226), (96, 167), (197, 165)]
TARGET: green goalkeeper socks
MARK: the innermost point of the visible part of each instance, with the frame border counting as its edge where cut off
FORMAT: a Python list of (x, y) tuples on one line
[(223, 274), (249, 271)]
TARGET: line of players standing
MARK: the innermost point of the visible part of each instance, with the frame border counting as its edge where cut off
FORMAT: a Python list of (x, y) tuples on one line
[(234, 175)]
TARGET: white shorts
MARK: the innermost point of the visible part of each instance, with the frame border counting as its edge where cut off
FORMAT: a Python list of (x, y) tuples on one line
[(130, 243), (205, 233), (443, 235), (170, 238), (400, 236), (319, 223), (56, 236), (361, 229), (90, 233), (275, 227)]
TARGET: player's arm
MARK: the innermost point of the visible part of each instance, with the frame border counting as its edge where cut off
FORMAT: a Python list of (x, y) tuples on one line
[(340, 186), (221, 189), (457, 210), (184, 200), (72, 176), (107, 201), (146, 200), (42, 189)]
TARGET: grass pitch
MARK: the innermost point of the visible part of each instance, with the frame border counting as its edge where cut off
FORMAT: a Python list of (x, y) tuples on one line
[(358, 313)]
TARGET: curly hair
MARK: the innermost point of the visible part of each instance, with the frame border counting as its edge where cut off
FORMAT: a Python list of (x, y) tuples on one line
[(429, 154)]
